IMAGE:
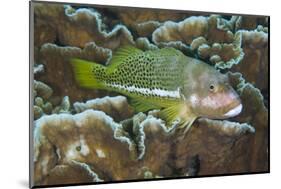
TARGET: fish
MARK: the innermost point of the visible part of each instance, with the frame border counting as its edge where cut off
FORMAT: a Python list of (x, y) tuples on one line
[(181, 87)]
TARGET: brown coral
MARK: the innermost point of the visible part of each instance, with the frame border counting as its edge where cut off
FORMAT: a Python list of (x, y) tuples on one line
[(110, 105), (210, 36), (254, 65), (101, 138), (63, 23), (92, 138), (95, 140)]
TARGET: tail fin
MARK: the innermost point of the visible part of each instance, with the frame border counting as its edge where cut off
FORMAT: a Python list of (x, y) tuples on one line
[(85, 73)]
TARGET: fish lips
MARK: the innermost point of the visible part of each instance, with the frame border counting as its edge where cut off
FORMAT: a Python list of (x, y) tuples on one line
[(234, 111), (231, 110), (235, 106), (230, 113)]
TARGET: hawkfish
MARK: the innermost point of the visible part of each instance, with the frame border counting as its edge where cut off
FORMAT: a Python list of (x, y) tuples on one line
[(181, 87)]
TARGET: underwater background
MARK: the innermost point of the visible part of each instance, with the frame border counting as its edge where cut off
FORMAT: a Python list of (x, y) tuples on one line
[(84, 136)]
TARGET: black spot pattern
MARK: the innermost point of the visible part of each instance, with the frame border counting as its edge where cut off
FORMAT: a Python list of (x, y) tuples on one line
[(160, 69)]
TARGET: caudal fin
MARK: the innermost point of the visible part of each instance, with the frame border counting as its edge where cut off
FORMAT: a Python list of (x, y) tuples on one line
[(85, 73)]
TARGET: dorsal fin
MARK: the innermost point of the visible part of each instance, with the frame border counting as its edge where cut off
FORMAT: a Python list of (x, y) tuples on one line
[(121, 54), (170, 51)]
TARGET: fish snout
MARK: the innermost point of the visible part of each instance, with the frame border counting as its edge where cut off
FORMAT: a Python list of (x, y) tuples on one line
[(220, 105), (234, 106)]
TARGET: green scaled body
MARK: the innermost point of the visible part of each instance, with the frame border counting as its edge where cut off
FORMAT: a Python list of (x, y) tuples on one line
[(152, 79)]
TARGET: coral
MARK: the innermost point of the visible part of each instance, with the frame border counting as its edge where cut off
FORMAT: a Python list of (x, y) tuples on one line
[(45, 103), (64, 107), (110, 105), (42, 89), (218, 54), (144, 44), (251, 22), (42, 94), (72, 173), (37, 112), (145, 29), (146, 23), (257, 113), (94, 139), (83, 136), (172, 31), (136, 19), (130, 149), (228, 128), (64, 23), (38, 69), (254, 65), (212, 37), (143, 15), (254, 38)]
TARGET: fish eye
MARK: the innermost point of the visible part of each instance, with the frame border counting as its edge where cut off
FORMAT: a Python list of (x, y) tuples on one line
[(212, 87)]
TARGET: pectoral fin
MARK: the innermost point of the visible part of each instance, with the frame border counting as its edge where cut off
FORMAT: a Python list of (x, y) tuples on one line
[(178, 116), (171, 114), (142, 105)]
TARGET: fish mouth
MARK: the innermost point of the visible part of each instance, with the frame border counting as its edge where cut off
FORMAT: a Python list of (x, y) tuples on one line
[(234, 112)]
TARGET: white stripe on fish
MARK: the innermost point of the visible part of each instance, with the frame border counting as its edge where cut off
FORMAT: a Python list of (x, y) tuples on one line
[(146, 91)]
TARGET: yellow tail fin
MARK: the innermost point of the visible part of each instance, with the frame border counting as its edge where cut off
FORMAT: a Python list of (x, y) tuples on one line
[(85, 73)]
